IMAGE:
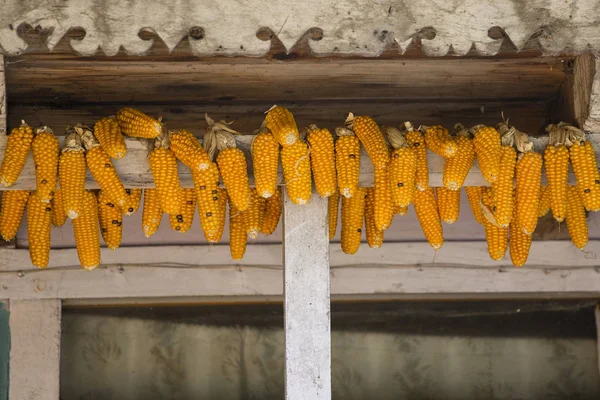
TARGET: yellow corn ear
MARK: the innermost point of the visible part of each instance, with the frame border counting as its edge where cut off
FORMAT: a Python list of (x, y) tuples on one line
[(108, 133), (233, 168), (448, 204), (347, 162), (188, 150), (544, 204), (576, 218), (45, 151), (215, 236), (398, 210), (182, 221), (586, 172), (237, 232), (440, 142), (58, 209), (134, 198), (495, 236), (353, 211), (374, 236), (166, 178), (71, 173), (273, 207), (296, 170), (111, 221), (137, 124), (104, 173), (372, 139), (401, 176), (17, 149), (333, 207), (151, 213), (457, 168), (39, 224), (417, 142), (384, 209), (87, 236), (556, 162), (520, 243), (474, 194), (322, 159), (529, 176), (265, 159), (208, 195), (281, 123), (254, 216), (487, 145), (503, 186), (11, 212), (426, 209)]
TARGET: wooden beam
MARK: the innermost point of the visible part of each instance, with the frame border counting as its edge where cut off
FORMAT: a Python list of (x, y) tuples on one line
[(306, 300), (597, 318), (35, 349), (3, 111)]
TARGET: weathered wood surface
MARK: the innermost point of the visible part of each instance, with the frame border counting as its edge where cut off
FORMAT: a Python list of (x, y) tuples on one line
[(3, 110), (35, 349), (348, 26)]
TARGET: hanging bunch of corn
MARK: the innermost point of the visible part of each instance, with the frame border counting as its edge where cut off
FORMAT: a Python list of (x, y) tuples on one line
[(111, 221), (182, 221), (281, 123), (237, 232), (347, 161), (45, 151), (322, 159), (188, 150), (398, 210), (439, 141), (135, 123), (85, 230), (71, 173), (495, 236), (448, 204), (134, 198), (39, 224), (102, 168), (210, 201), (109, 135), (265, 159), (544, 204), (353, 211), (333, 208), (374, 236), (487, 143), (457, 168), (273, 207), (254, 216), (11, 212), (520, 243), (576, 219), (556, 161), (295, 160), (151, 213), (426, 208), (529, 175), (402, 169), (585, 167), (503, 187), (163, 165), (416, 141), (474, 194), (215, 235), (231, 161), (58, 209), (15, 155)]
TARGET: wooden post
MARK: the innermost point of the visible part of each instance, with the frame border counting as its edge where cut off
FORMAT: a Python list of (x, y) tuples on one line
[(35, 349), (2, 97), (597, 315), (306, 301)]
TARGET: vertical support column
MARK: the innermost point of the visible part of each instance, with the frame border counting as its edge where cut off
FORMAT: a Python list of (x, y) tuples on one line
[(35, 349), (306, 301), (2, 97), (597, 315)]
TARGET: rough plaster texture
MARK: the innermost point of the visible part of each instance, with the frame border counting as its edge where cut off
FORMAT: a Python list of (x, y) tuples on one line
[(349, 26)]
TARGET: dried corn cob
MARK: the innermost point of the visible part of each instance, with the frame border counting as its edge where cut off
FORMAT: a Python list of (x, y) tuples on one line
[(495, 236), (439, 141), (58, 209), (254, 216), (486, 143), (11, 212), (188, 150), (529, 176), (322, 159), (544, 204), (111, 221), (39, 223), (237, 232), (182, 222), (556, 162), (384, 209), (273, 208), (87, 237), (134, 198), (474, 194), (215, 236), (426, 209), (374, 236), (281, 123), (372, 139), (166, 177), (45, 151), (520, 243), (71, 173), (353, 209), (400, 210), (265, 159), (457, 168), (137, 124), (576, 219), (206, 184), (109, 135), (102, 168), (296, 171), (402, 169), (448, 204), (585, 168), (17, 150), (333, 207), (151, 213), (416, 140), (347, 161), (503, 186)]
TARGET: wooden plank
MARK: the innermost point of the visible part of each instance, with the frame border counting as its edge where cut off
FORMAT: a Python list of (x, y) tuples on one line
[(597, 318), (3, 111), (35, 349), (306, 300)]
